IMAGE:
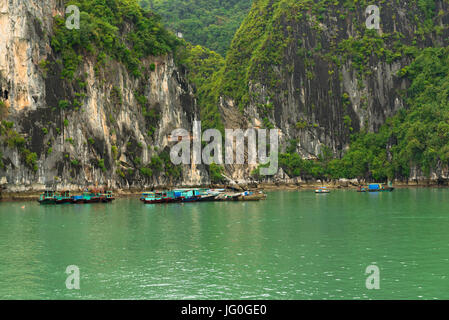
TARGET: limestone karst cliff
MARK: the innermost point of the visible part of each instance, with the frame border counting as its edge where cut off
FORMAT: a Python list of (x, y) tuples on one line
[(314, 70), (100, 129), (96, 106)]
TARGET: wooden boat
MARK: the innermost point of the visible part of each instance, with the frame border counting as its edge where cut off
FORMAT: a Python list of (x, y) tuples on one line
[(92, 197), (250, 196), (52, 197), (379, 188), (47, 197), (150, 198), (161, 197), (145, 195), (65, 197), (107, 197), (208, 197), (228, 196), (210, 194), (87, 197), (191, 199), (154, 201), (241, 196), (192, 195), (322, 190)]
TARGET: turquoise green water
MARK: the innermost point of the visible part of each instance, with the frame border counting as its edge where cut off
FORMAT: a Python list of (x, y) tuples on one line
[(294, 245)]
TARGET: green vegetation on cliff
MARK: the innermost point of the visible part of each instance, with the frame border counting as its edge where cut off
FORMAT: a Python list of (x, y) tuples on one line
[(416, 137), (102, 35), (14, 140), (204, 67), (260, 49), (275, 34), (209, 23), (112, 30)]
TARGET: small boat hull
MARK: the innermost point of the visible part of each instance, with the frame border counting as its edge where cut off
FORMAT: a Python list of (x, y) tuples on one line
[(191, 199), (64, 201), (47, 201), (382, 190), (254, 197), (94, 200), (153, 201), (207, 198)]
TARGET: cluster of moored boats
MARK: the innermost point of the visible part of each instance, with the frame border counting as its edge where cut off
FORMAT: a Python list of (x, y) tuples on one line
[(94, 196), (170, 196), (179, 195), (199, 195)]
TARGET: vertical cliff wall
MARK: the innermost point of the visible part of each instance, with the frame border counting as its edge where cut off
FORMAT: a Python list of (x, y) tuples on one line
[(315, 71), (77, 114), (101, 129)]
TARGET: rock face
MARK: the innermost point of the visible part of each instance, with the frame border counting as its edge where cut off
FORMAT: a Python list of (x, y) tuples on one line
[(106, 139), (321, 75), (316, 76)]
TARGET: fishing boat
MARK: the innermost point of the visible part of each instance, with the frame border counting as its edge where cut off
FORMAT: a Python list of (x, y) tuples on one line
[(52, 197), (241, 196), (207, 197), (251, 196), (64, 197), (322, 190), (193, 198), (107, 197), (172, 196), (377, 187), (150, 198), (191, 195), (145, 195), (77, 199), (209, 194), (228, 196), (87, 197), (162, 197), (47, 197)]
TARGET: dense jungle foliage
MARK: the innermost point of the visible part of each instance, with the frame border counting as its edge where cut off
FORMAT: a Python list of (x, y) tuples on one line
[(209, 23), (117, 29)]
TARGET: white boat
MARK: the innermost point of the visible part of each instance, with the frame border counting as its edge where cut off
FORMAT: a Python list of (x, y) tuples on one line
[(322, 190)]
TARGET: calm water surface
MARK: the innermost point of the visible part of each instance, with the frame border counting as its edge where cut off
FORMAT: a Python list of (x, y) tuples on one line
[(294, 245)]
